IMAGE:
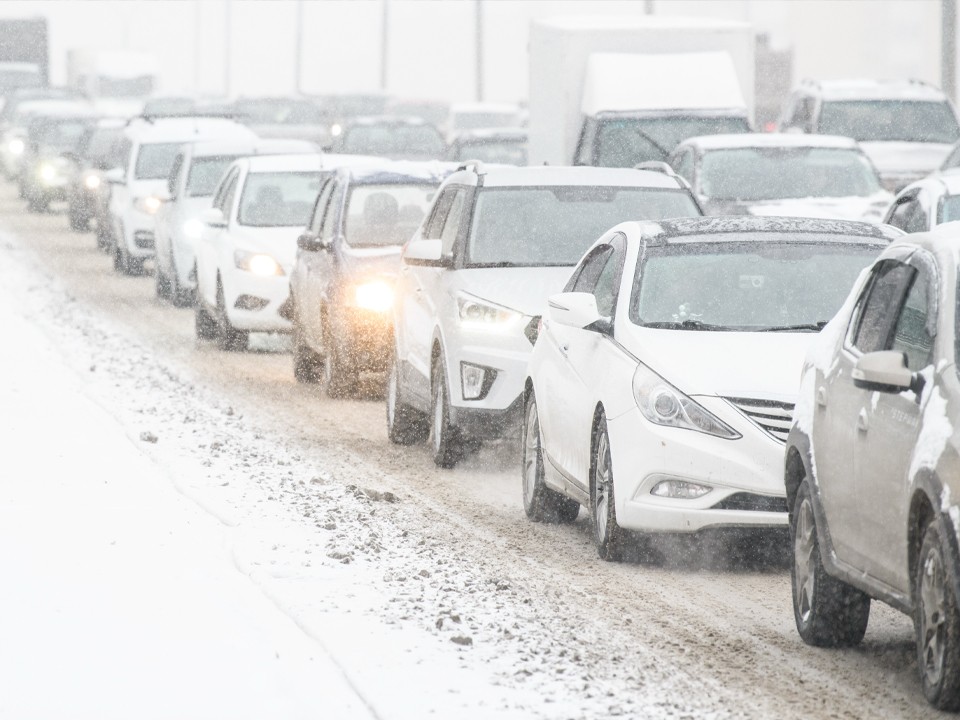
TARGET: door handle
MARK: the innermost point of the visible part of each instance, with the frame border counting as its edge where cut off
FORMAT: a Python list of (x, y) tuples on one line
[(821, 396), (862, 422), (564, 348)]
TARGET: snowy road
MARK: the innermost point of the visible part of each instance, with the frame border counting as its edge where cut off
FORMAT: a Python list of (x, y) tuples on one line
[(430, 588)]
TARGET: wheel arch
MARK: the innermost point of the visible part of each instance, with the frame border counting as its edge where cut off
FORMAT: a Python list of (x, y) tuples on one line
[(794, 472), (921, 514)]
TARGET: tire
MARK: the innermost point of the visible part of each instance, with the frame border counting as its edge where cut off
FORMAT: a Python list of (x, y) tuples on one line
[(611, 539), (340, 377), (229, 338), (161, 284), (828, 611), (204, 326), (540, 502), (180, 296), (307, 365), (446, 444), (78, 222), (103, 238), (405, 425), (937, 624), (126, 265), (37, 204)]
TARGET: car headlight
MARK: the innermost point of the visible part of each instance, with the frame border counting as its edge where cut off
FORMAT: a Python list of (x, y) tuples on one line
[(257, 263), (193, 228), (661, 403), (336, 129), (149, 204), (479, 314), (91, 181), (376, 295), (16, 146), (47, 172)]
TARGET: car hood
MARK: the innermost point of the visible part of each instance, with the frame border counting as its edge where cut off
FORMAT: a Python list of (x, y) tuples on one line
[(907, 157), (363, 262), (524, 289), (319, 134), (144, 188), (190, 207), (868, 208), (278, 242), (725, 364)]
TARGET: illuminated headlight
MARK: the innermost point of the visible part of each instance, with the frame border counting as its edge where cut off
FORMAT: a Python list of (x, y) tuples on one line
[(16, 146), (478, 314), (663, 404), (257, 263), (47, 172), (376, 295), (149, 204), (336, 129), (91, 182), (679, 489), (193, 228)]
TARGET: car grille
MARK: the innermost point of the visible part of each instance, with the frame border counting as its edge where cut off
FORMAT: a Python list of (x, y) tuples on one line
[(143, 239), (752, 502), (774, 417)]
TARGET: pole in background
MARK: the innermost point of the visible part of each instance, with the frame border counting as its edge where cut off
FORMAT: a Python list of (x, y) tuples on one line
[(478, 27), (384, 43), (298, 51), (197, 12), (948, 47), (648, 7), (227, 33)]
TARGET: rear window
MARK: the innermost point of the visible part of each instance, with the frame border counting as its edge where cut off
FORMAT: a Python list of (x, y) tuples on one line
[(205, 173), (278, 199), (384, 215), (890, 121), (155, 161)]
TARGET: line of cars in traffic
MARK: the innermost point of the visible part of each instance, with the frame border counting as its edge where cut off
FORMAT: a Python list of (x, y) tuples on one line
[(650, 359)]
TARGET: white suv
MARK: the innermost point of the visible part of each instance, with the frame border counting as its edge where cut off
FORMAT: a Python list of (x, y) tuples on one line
[(146, 152), (474, 282)]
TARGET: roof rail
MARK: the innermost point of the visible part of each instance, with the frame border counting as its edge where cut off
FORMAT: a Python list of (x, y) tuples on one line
[(656, 166), (473, 165), (153, 117)]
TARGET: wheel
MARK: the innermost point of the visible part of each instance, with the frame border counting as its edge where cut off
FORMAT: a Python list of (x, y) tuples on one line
[(937, 624), (307, 365), (611, 539), (37, 203), (179, 295), (204, 326), (446, 444), (103, 237), (828, 611), (405, 425), (228, 338), (540, 502), (126, 265), (340, 378), (78, 222), (162, 284)]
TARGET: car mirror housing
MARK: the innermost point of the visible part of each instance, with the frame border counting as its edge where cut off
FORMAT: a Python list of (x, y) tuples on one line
[(885, 371), (214, 217), (423, 252), (115, 176), (309, 242), (579, 310)]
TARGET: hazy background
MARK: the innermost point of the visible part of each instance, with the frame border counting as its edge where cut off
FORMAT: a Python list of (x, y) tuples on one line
[(432, 43)]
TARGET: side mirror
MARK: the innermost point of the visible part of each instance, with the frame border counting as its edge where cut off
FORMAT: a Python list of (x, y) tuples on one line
[(71, 156), (115, 176), (308, 242), (214, 218), (885, 371), (423, 252), (579, 310)]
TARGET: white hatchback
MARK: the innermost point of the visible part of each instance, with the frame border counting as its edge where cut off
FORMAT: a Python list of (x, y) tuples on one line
[(662, 383), (249, 245)]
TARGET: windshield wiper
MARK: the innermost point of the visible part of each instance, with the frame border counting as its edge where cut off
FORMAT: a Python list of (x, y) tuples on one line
[(812, 327), (688, 325), (649, 138)]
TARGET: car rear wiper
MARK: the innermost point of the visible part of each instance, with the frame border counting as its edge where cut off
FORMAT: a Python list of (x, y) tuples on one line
[(688, 325), (812, 327)]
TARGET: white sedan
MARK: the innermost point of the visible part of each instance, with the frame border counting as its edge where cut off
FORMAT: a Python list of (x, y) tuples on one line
[(661, 386), (249, 245)]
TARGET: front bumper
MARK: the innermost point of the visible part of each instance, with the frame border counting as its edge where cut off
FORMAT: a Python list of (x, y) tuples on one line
[(253, 301), (363, 337), (137, 234)]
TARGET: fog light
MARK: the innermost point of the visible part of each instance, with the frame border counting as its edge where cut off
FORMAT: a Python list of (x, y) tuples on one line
[(680, 489), (475, 381), (48, 173), (91, 182)]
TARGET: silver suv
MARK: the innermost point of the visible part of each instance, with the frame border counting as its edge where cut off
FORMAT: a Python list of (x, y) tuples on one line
[(873, 461)]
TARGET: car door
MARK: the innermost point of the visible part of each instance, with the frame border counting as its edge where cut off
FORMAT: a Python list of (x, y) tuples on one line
[(211, 238), (887, 434), (304, 282)]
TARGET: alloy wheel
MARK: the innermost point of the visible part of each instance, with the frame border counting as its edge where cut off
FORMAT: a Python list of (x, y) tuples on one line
[(531, 454), (932, 617), (805, 571), (603, 492)]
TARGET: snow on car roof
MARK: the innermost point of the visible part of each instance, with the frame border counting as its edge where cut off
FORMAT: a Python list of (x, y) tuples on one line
[(866, 89), (401, 172), (284, 163), (253, 146), (185, 129), (492, 134), (684, 229), (770, 140), (506, 176)]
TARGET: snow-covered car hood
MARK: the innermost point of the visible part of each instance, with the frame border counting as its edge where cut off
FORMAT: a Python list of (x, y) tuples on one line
[(906, 157), (726, 364), (870, 208), (280, 243), (192, 207), (360, 262), (525, 289), (145, 188)]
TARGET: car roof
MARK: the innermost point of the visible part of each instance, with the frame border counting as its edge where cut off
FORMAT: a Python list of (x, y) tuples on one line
[(365, 120), (401, 172), (254, 146), (770, 140), (946, 182), (184, 129), (302, 162), (492, 135), (540, 175), (869, 89), (705, 229)]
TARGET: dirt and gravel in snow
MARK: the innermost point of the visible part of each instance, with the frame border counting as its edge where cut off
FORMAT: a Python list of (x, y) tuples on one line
[(331, 519)]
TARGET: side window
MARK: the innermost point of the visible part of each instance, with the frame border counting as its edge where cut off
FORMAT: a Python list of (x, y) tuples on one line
[(683, 164), (438, 217), (320, 207), (173, 180), (452, 223), (327, 220), (224, 198), (911, 334), (919, 220), (585, 280), (803, 113), (121, 154), (878, 307), (609, 281), (903, 213), (588, 133)]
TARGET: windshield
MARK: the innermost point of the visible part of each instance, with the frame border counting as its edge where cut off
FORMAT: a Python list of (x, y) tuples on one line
[(205, 173), (278, 199), (507, 152), (626, 142), (280, 112), (890, 121), (479, 120), (537, 226), (394, 140), (381, 215), (100, 143), (780, 173), (762, 284), (155, 161), (60, 135)]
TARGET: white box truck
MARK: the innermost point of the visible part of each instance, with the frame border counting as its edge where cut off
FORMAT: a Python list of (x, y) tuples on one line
[(618, 91), (116, 82)]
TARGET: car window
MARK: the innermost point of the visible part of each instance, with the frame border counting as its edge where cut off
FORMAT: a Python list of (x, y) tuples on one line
[(329, 214), (608, 281), (911, 334), (683, 164), (877, 314), (278, 199), (174, 180), (154, 160), (949, 209), (224, 198), (205, 173), (384, 214), (953, 159), (451, 225), (320, 209), (585, 279), (803, 114), (902, 213), (439, 215)]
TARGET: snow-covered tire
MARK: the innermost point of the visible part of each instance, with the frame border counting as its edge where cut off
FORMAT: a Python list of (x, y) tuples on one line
[(204, 326), (610, 538), (161, 284), (405, 425), (937, 624), (828, 612), (540, 502), (340, 377), (229, 338), (307, 365), (446, 443)]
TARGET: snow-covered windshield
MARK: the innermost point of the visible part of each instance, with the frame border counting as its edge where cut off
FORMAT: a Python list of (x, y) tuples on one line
[(890, 121), (394, 140), (507, 152), (758, 285), (626, 142), (539, 226), (155, 161), (205, 173), (278, 199), (779, 173), (382, 215)]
